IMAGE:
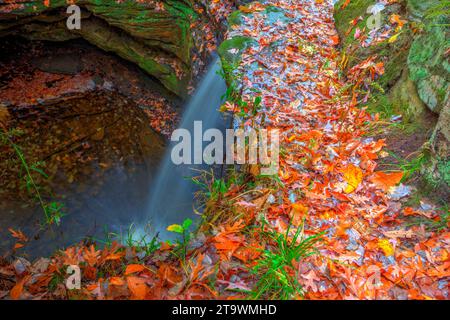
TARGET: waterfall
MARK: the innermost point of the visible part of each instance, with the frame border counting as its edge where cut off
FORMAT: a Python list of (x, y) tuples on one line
[(172, 194)]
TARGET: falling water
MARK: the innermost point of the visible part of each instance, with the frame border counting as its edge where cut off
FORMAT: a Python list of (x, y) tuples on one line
[(172, 195)]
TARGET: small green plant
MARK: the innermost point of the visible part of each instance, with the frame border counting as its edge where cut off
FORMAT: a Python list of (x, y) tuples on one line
[(278, 278), (145, 241), (234, 95), (182, 230), (410, 166), (53, 211), (256, 105), (57, 279), (211, 187)]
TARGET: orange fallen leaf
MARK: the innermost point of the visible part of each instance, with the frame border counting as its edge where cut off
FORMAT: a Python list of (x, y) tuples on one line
[(115, 256), (17, 290), (396, 19), (18, 245), (91, 256), (386, 180), (137, 287), (335, 39), (134, 268), (17, 234), (408, 211), (298, 212), (345, 4), (116, 281)]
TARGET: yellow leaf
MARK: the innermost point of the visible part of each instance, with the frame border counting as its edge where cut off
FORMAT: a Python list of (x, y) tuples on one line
[(353, 176), (393, 38), (386, 246), (175, 228)]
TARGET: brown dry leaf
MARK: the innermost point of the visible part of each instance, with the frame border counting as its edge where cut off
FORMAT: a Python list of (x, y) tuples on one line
[(254, 170), (261, 201), (401, 233), (4, 114), (17, 234)]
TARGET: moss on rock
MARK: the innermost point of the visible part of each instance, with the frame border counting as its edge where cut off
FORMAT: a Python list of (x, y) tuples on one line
[(230, 52), (429, 66), (420, 55)]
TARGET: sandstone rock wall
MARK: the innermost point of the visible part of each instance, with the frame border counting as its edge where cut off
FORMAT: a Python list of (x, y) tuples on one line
[(153, 34)]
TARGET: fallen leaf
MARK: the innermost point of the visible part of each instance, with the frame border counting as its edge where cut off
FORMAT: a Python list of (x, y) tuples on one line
[(134, 268), (175, 228), (386, 246), (137, 287), (386, 180), (298, 213), (116, 281), (16, 291), (353, 176)]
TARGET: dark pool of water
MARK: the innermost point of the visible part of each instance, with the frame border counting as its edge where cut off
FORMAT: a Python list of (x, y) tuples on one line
[(101, 157)]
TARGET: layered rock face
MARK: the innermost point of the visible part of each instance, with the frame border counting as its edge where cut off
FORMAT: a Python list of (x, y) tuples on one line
[(153, 34)]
